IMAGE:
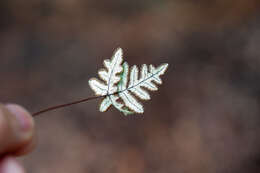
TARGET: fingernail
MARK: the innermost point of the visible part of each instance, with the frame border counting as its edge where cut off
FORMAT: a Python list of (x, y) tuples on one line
[(22, 116), (10, 165)]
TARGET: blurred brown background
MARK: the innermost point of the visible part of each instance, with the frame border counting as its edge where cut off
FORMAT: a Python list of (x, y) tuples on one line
[(204, 118)]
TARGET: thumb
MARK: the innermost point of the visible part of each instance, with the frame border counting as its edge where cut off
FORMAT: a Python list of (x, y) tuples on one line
[(16, 128)]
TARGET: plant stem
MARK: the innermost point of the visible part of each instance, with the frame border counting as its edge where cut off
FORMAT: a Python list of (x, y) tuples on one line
[(65, 105)]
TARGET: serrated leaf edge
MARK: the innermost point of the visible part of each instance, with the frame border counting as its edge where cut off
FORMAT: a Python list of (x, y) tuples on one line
[(126, 93)]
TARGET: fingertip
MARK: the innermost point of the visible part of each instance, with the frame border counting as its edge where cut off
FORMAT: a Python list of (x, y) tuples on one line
[(16, 128), (24, 118), (26, 123)]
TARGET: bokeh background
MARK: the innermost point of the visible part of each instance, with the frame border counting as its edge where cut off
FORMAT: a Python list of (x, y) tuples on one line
[(204, 118)]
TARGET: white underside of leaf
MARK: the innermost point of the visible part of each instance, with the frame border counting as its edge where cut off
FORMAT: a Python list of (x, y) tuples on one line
[(118, 92), (108, 101), (98, 87), (136, 85)]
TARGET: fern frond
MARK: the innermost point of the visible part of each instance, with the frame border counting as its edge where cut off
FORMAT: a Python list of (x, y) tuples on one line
[(120, 89), (137, 85), (111, 77)]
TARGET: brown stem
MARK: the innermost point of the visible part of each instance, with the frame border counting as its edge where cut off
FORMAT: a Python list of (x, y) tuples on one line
[(65, 105)]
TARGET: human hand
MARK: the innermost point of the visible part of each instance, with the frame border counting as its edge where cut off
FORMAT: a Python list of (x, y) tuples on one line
[(16, 136)]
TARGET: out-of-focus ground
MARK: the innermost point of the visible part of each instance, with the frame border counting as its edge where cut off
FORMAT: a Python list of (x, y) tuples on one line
[(204, 118)]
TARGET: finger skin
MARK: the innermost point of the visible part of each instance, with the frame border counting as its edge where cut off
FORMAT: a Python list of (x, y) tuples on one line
[(10, 165), (27, 148), (16, 129)]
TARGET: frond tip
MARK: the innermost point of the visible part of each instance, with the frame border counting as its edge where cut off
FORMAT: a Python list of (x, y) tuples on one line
[(122, 87)]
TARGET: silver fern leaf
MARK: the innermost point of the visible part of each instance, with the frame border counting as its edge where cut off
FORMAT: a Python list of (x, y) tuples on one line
[(120, 92)]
